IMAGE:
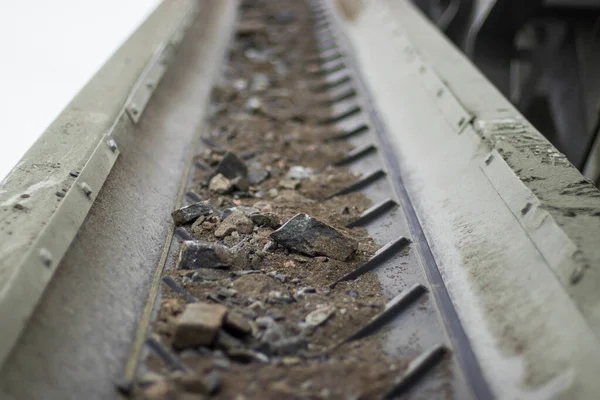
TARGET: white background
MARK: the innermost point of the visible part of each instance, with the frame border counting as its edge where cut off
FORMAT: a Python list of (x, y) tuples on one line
[(48, 51)]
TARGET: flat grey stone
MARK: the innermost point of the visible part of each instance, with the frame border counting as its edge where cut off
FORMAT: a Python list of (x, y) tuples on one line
[(195, 254), (235, 222), (191, 213), (257, 176), (268, 220), (309, 236)]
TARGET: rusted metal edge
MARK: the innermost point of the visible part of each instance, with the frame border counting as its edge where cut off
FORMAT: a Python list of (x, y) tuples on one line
[(46, 197)]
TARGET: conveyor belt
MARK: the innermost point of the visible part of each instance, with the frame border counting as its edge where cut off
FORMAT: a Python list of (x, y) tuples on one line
[(481, 268)]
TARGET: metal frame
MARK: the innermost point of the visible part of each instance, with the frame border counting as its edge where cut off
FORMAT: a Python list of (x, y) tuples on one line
[(46, 197), (511, 223)]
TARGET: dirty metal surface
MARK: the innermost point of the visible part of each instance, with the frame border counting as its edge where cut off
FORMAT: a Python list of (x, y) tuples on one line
[(421, 323), (76, 343), (509, 220), (477, 273), (46, 197), (421, 267)]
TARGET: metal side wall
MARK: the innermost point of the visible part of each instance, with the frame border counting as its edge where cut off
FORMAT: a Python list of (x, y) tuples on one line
[(76, 343), (46, 197), (512, 225)]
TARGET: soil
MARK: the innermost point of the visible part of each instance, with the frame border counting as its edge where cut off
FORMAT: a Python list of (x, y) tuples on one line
[(268, 62)]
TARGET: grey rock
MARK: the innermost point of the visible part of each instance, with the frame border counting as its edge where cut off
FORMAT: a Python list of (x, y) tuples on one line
[(288, 346), (265, 322), (280, 68), (253, 104), (275, 314), (263, 207), (192, 212), (195, 254), (236, 221), (247, 356), (247, 211), (240, 84), (276, 296), (198, 325), (309, 236), (289, 184), (213, 381), (197, 225), (227, 341), (257, 176), (198, 384), (302, 292), (319, 316), (186, 280), (256, 55), (299, 172), (189, 353), (241, 183), (222, 363), (209, 274), (260, 82), (236, 324), (278, 275), (268, 220), (220, 184), (300, 258), (270, 246), (231, 167)]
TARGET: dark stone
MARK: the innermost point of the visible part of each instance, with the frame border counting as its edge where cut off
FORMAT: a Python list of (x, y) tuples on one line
[(124, 386), (191, 213), (236, 324), (232, 167), (227, 341), (195, 254), (268, 220), (309, 236)]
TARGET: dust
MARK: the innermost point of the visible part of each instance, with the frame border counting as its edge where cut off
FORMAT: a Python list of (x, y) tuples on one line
[(264, 111)]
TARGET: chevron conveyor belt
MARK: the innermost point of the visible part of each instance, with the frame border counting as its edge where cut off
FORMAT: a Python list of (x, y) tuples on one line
[(296, 199)]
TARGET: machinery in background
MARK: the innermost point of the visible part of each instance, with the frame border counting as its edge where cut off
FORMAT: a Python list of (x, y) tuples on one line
[(543, 55)]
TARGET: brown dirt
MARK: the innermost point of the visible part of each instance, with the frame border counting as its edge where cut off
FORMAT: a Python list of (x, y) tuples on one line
[(284, 133)]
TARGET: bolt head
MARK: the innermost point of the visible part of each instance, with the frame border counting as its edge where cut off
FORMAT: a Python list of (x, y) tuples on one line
[(112, 145), (46, 257)]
